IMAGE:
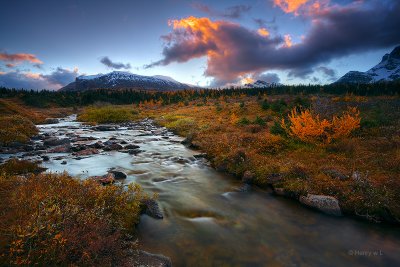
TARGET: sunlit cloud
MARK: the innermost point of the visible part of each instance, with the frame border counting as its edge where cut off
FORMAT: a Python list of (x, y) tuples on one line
[(21, 57), (290, 6), (263, 32), (233, 51)]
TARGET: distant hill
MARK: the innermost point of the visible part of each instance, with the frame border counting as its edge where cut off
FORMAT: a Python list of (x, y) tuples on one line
[(387, 70), (125, 80), (260, 84)]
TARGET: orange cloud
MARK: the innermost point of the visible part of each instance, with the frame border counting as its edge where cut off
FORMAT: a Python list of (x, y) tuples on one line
[(20, 57), (263, 32), (33, 75), (288, 40), (290, 6), (246, 80)]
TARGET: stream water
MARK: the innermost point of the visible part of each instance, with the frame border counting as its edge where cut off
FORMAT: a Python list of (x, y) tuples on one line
[(209, 220)]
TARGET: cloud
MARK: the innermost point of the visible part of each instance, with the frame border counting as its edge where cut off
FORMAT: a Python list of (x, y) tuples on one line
[(268, 77), (328, 72), (11, 65), (233, 50), (29, 80), (114, 65), (290, 6), (21, 57), (232, 12)]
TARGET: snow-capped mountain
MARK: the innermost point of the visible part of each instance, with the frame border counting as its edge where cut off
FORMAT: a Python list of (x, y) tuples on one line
[(124, 80), (387, 70), (259, 84)]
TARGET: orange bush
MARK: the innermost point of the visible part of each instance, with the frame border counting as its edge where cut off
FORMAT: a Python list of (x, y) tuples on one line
[(57, 220), (308, 127)]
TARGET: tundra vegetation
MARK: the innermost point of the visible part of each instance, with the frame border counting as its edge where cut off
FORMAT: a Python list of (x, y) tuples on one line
[(338, 141)]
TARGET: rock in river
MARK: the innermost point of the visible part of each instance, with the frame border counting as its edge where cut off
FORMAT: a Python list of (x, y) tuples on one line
[(326, 204), (152, 208), (151, 260), (53, 141), (51, 121)]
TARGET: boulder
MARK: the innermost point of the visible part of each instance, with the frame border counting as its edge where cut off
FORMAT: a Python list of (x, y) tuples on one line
[(98, 145), (102, 128), (326, 204), (86, 152), (248, 177), (113, 147), (105, 179), (335, 174), (60, 149), (53, 141), (118, 174), (274, 178), (147, 259), (152, 208), (51, 121), (131, 146)]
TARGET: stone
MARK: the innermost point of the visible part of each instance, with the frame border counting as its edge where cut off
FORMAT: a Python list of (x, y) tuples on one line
[(45, 158), (326, 204), (200, 156), (60, 149), (274, 178), (152, 208), (102, 128), (335, 174), (51, 121), (131, 146), (105, 179), (86, 152), (147, 259), (53, 141), (64, 162), (113, 147), (118, 174), (248, 177), (98, 145)]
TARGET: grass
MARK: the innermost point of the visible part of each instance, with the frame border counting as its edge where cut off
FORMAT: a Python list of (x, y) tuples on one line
[(108, 114), (244, 134)]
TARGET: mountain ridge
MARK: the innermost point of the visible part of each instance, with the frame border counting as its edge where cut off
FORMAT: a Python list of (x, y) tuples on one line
[(125, 80), (386, 70)]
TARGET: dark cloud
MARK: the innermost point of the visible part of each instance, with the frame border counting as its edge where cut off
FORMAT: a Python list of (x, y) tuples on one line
[(234, 51), (61, 76), (114, 65), (28, 80), (328, 72), (268, 77), (232, 12)]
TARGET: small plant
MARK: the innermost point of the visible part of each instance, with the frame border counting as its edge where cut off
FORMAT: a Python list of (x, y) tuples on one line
[(309, 128), (242, 105), (260, 121), (279, 106), (244, 121), (265, 105)]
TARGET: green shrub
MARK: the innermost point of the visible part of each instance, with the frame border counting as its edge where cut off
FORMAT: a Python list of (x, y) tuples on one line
[(277, 129), (279, 106), (265, 105), (260, 121), (244, 121), (108, 114)]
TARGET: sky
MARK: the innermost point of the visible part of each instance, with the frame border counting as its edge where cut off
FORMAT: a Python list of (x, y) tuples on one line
[(47, 43)]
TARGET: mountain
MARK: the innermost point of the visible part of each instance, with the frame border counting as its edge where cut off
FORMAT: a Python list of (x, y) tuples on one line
[(125, 80), (387, 70), (259, 84)]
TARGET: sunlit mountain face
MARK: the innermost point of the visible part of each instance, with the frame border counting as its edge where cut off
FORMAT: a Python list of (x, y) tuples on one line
[(47, 45)]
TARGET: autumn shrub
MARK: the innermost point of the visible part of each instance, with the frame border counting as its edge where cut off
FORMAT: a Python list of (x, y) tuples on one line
[(56, 220), (108, 114), (16, 128), (15, 166), (310, 128), (181, 125)]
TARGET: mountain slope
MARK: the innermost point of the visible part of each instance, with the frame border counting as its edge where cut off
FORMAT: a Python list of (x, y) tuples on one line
[(387, 70), (124, 80), (260, 84)]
